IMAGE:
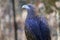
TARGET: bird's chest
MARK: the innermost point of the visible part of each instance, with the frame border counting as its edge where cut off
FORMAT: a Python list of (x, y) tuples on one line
[(32, 24)]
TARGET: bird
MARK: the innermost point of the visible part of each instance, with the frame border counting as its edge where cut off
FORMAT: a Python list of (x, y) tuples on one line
[(35, 28)]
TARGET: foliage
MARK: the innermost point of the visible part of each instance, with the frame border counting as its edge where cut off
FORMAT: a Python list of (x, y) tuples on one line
[(48, 4)]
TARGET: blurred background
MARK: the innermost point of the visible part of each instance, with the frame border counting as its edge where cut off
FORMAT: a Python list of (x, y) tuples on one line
[(49, 8)]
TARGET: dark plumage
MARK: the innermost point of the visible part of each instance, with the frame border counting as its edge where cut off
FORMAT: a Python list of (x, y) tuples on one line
[(35, 28)]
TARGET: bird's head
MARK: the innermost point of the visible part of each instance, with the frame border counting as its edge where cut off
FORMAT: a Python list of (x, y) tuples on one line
[(28, 11)]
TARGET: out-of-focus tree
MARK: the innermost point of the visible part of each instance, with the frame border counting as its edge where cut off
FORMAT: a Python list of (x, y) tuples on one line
[(48, 4)]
